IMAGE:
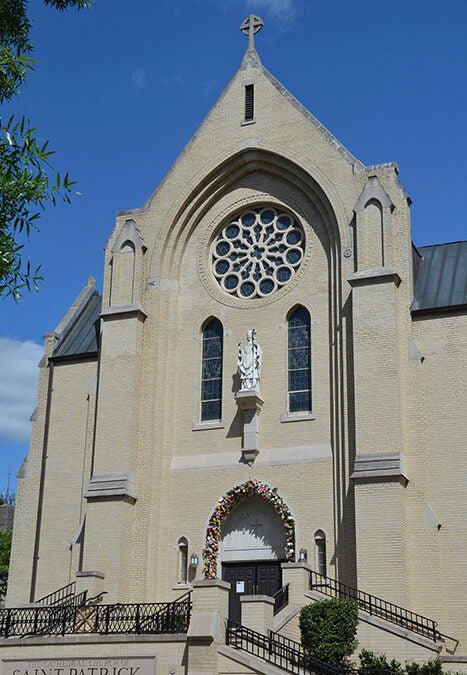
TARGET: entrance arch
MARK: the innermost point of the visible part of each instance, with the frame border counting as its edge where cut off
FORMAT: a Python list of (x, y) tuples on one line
[(224, 508), (253, 530)]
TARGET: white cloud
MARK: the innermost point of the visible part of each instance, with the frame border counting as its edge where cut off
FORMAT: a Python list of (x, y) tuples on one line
[(277, 8), (18, 387), (138, 77)]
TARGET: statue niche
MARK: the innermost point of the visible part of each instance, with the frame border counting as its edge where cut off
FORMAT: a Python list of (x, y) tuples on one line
[(253, 531)]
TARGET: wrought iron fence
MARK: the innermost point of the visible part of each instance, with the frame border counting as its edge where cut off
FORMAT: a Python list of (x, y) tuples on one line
[(148, 618), (281, 598), (376, 606)]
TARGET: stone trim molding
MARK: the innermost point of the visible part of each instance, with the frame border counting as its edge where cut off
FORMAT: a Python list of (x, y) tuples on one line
[(124, 312), (267, 457), (120, 486), (72, 315), (285, 615), (91, 573), (259, 200), (128, 232), (296, 417), (89, 638), (373, 190), (204, 426), (383, 275), (386, 465), (257, 598)]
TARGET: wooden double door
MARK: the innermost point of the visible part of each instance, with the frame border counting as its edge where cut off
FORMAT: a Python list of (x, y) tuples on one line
[(250, 578)]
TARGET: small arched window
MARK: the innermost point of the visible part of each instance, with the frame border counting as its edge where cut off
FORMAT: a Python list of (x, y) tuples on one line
[(320, 541), (211, 371), (299, 361), (182, 546)]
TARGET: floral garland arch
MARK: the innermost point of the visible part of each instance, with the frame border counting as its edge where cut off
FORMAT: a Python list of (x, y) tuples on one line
[(227, 503)]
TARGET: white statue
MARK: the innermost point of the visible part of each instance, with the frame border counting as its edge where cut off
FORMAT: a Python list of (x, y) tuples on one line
[(249, 362)]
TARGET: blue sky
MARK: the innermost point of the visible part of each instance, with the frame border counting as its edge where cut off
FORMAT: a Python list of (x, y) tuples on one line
[(119, 90)]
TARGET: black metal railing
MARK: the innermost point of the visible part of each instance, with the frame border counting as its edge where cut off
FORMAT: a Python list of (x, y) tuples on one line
[(287, 654), (281, 598), (282, 653), (376, 606), (59, 597), (148, 618)]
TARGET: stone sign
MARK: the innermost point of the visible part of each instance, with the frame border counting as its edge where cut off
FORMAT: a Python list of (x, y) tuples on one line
[(134, 665)]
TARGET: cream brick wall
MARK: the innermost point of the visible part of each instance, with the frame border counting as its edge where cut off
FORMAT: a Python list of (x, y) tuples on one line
[(368, 396)]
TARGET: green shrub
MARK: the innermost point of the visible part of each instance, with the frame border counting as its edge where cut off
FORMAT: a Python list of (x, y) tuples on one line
[(432, 667), (370, 661), (328, 629)]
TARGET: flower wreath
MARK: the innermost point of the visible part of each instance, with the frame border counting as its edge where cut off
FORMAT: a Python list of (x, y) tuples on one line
[(224, 507)]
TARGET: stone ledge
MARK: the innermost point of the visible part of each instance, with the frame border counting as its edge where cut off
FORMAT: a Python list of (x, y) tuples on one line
[(204, 625), (249, 399), (91, 573), (206, 583), (257, 598), (204, 426), (376, 276), (385, 465), (86, 638), (267, 457), (283, 617), (124, 311), (111, 486), (454, 659), (297, 417)]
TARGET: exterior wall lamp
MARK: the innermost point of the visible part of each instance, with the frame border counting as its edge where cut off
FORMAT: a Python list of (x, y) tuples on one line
[(194, 560), (302, 555)]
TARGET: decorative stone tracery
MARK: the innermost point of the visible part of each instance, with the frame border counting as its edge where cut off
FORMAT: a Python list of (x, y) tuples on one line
[(224, 507), (257, 252)]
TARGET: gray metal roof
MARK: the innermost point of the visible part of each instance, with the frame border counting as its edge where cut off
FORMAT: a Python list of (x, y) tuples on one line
[(83, 335), (441, 278)]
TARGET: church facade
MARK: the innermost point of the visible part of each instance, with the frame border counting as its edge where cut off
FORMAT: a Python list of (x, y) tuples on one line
[(269, 393)]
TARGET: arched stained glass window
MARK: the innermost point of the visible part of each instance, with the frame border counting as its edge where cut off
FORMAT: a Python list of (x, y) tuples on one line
[(211, 371), (299, 361)]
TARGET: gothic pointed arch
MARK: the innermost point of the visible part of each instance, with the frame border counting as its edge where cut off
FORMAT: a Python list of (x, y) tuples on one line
[(224, 507), (219, 180)]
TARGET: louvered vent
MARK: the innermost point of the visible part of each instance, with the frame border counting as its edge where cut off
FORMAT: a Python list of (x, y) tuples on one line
[(249, 102)]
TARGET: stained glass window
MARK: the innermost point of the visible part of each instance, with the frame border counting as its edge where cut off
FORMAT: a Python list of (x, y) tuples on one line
[(299, 361), (257, 252), (211, 371)]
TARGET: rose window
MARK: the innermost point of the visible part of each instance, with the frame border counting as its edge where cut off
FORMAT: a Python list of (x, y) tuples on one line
[(257, 252)]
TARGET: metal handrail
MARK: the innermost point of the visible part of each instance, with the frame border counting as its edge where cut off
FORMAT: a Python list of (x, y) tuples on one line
[(287, 654), (281, 598), (376, 606), (290, 657), (58, 596)]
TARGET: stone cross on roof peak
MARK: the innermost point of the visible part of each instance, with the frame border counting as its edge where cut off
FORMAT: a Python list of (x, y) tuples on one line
[(252, 25)]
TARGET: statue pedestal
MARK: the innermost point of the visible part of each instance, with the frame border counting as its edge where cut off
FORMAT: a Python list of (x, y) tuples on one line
[(250, 403)]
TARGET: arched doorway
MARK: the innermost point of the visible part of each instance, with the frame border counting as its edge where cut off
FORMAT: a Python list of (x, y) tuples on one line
[(250, 533), (252, 549)]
